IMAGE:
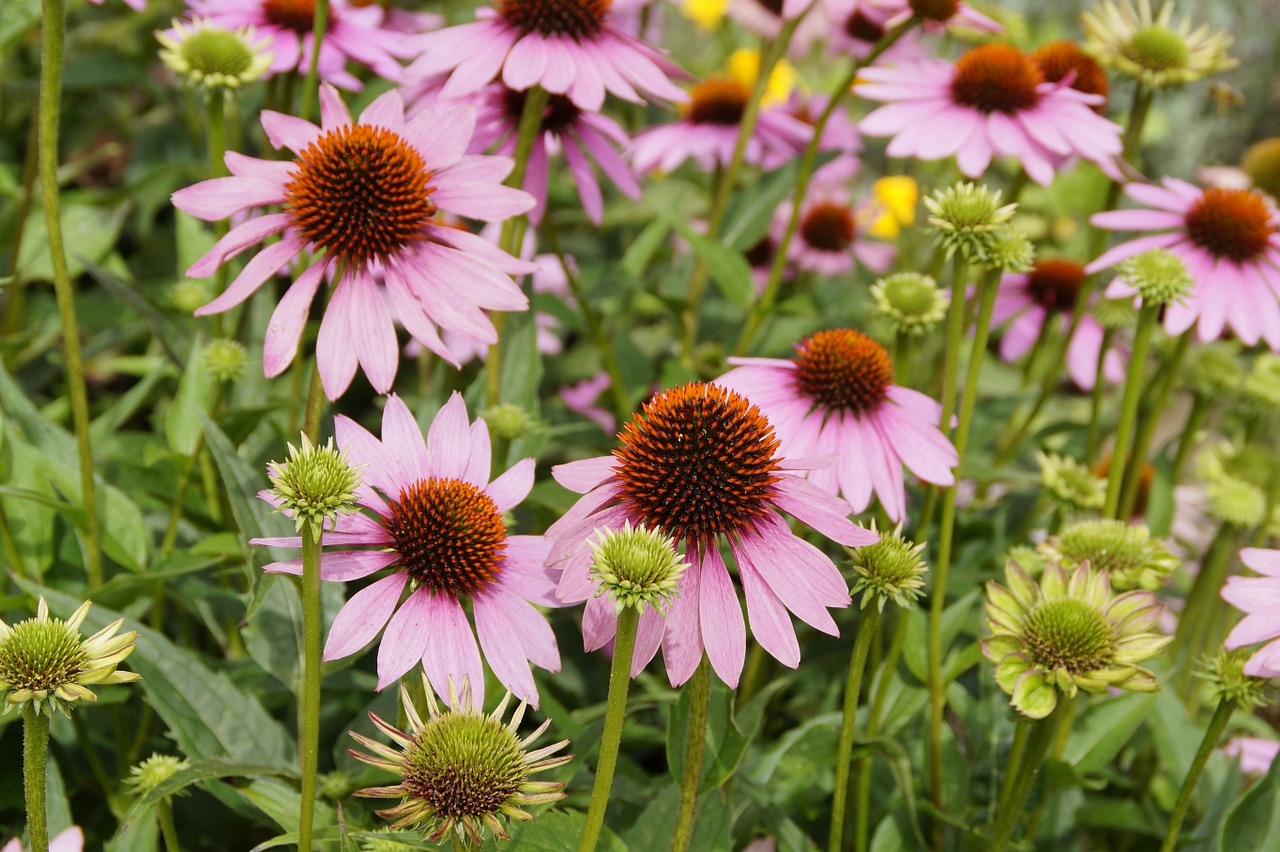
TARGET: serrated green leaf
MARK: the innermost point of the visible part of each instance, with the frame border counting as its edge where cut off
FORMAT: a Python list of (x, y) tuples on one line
[(1104, 728)]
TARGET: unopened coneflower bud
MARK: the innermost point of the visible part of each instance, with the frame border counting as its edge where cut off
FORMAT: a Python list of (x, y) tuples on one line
[(966, 218), (1011, 251), (636, 567), (1159, 276), (206, 54), (461, 771), (889, 570), (1236, 502), (48, 663), (1224, 675), (913, 303), (1115, 314), (1262, 164), (1260, 391), (1213, 371), (187, 296), (225, 359), (154, 771), (1150, 46), (336, 785), (1027, 558), (508, 421), (1127, 553), (315, 484), (1071, 483)]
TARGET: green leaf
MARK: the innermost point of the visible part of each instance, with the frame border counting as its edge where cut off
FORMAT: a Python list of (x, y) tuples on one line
[(1253, 825), (1104, 728), (17, 18), (197, 773), (165, 330), (727, 736), (182, 425), (727, 267), (280, 801), (88, 232), (553, 831), (640, 253)]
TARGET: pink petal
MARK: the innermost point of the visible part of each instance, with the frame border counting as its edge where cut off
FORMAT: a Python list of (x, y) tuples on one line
[(682, 643), (512, 486), (449, 440), (452, 650), (363, 616), (723, 631), (406, 637), (287, 321), (770, 624)]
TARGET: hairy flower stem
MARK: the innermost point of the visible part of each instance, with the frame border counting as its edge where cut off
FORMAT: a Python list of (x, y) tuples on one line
[(624, 647), (319, 25), (1218, 724), (1195, 419), (309, 725), (168, 829), (868, 621), (1147, 319), (862, 766), (760, 309), (35, 754), (53, 32), (1011, 807), (1096, 397), (699, 707), (511, 238), (1150, 419), (1193, 636)]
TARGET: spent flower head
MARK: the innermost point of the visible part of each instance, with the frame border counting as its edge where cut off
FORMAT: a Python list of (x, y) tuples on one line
[(1150, 47), (1071, 483), (461, 771), (1011, 251), (1068, 633), (212, 56), (1224, 675), (889, 570), (48, 663), (913, 303), (154, 771), (1127, 554), (968, 217), (316, 484), (225, 359), (1160, 276), (636, 567)]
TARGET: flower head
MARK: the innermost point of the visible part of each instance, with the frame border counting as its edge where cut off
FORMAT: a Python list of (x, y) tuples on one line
[(1010, 250), (1256, 597), (1070, 482), (1059, 59), (968, 217), (213, 56), (1259, 393), (1226, 679), (225, 359), (461, 771), (154, 771), (1262, 164), (1150, 47), (48, 663), (913, 303), (889, 570), (1159, 276), (636, 567), (1126, 553), (508, 421), (829, 238), (1213, 370), (316, 485), (1068, 633)]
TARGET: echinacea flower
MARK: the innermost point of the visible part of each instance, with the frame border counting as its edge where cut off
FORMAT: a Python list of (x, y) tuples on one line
[(212, 56), (1255, 753), (69, 839), (707, 132), (1029, 301), (700, 464), (1068, 633), (582, 398), (837, 397), (912, 303), (934, 15), (1259, 599), (461, 770), (1126, 553), (1147, 45), (993, 102), (767, 17), (366, 195), (857, 26), (1230, 243), (355, 31), (437, 523), (1060, 60), (889, 570), (569, 48), (1071, 483), (829, 235), (1226, 680), (48, 663)]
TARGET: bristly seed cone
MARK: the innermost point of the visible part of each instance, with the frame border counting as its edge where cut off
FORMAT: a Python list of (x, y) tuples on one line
[(1230, 223), (1055, 283), (577, 19), (996, 78), (828, 227), (717, 101), (450, 535), (296, 15), (843, 370)]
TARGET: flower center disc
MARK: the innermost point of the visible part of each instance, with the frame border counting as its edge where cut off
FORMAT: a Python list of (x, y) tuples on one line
[(577, 19), (1230, 223), (464, 765), (41, 655), (773, 6), (718, 101), (843, 370), (996, 78), (697, 463), (450, 535), (559, 113), (360, 193), (828, 227), (1054, 283), (934, 10), (861, 28), (296, 15), (1071, 635), (1057, 59)]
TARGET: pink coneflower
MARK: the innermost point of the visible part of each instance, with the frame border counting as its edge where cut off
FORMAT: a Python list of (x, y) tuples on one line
[(707, 131), (583, 398), (355, 32), (366, 195), (1229, 241), (993, 102), (858, 25), (766, 18), (1259, 598), (840, 136), (437, 522), (827, 239), (137, 6), (1256, 754), (837, 397), (580, 136), (936, 14), (1048, 292), (569, 47), (700, 464)]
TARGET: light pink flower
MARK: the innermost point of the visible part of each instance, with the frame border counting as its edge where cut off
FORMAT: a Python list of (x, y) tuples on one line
[(707, 132), (1027, 301), (367, 195), (570, 48), (1228, 239), (1259, 598), (993, 102), (837, 398), (68, 840), (840, 136), (137, 6), (1255, 753), (827, 239), (961, 14), (583, 398), (700, 464), (858, 25), (354, 32), (766, 18), (437, 522)]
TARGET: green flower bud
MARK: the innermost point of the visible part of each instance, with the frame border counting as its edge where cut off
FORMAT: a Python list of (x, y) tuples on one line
[(187, 295), (1115, 314), (1011, 251), (315, 484), (1213, 370), (225, 360), (636, 566), (912, 303), (889, 570), (965, 218), (508, 421), (1226, 681), (1260, 390), (1159, 275), (1128, 554), (1262, 164), (1071, 483), (154, 771)]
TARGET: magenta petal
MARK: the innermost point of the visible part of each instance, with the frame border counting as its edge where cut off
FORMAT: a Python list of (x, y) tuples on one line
[(406, 637), (237, 240), (682, 643), (363, 616), (449, 440), (1265, 663), (341, 566), (1259, 627), (770, 624), (584, 475), (724, 633), (1261, 560), (264, 264), (504, 656), (405, 453), (452, 651), (513, 486), (599, 624), (287, 321), (648, 639), (524, 570), (478, 466), (219, 198), (822, 511)]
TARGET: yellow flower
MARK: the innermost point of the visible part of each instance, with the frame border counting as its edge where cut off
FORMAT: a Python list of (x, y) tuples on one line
[(744, 66), (895, 206), (705, 13)]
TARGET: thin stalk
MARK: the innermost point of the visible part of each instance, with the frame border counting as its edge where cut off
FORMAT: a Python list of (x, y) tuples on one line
[(699, 707), (624, 646), (867, 624), (215, 106), (752, 675), (35, 754), (1096, 396), (319, 25), (1017, 750), (1147, 319), (1149, 421), (1195, 419), (1011, 809), (14, 304), (1218, 724), (1189, 638), (309, 727), (53, 34), (880, 689), (167, 827)]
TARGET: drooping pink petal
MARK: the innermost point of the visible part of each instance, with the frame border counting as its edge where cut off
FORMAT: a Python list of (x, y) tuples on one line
[(363, 616), (405, 639)]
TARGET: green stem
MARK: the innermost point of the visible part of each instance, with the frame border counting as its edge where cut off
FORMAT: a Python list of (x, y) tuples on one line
[(15, 297), (753, 675), (215, 110), (1096, 397), (1017, 750), (867, 623), (1147, 319), (1218, 724), (1190, 636), (1147, 427), (319, 24), (1195, 419), (1011, 808), (167, 828), (624, 646), (309, 727), (54, 32), (699, 707), (880, 689), (35, 754)]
